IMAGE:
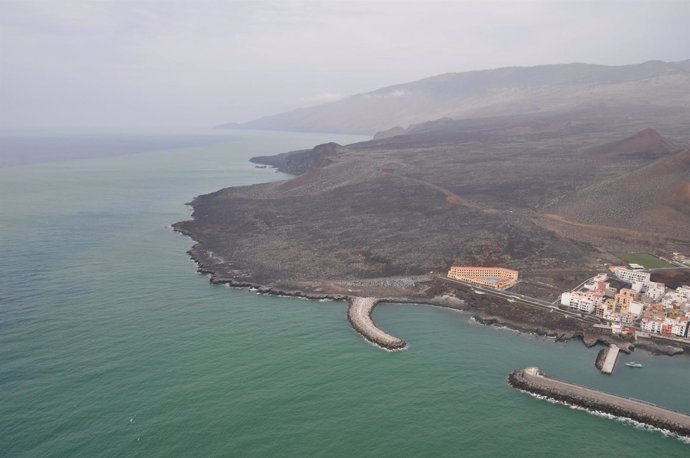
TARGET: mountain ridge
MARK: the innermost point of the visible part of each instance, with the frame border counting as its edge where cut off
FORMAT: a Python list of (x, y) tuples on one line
[(456, 191), (494, 92)]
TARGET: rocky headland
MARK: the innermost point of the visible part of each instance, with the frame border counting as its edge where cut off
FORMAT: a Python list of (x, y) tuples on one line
[(550, 194)]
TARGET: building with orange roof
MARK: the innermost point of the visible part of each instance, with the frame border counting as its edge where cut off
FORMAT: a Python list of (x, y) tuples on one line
[(492, 277)]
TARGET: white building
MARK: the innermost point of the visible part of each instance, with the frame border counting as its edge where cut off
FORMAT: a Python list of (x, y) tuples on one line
[(650, 325), (632, 276), (637, 286), (655, 290), (583, 302), (620, 318), (684, 291), (672, 298), (678, 326), (635, 308)]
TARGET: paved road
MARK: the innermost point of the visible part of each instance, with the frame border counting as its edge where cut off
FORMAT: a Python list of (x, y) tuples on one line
[(523, 299)]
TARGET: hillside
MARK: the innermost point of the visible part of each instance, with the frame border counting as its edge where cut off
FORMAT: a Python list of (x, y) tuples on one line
[(519, 191), (489, 93), (654, 198)]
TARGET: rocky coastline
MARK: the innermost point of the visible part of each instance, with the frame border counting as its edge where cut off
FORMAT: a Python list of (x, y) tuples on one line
[(429, 297), (559, 335), (533, 381), (371, 218)]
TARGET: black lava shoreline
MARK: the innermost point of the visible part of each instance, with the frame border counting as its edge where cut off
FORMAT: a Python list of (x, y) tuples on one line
[(491, 320)]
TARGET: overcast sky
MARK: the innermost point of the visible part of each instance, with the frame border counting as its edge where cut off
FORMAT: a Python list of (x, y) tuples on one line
[(193, 64)]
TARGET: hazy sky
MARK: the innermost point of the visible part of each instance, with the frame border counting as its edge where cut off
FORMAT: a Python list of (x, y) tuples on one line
[(166, 63)]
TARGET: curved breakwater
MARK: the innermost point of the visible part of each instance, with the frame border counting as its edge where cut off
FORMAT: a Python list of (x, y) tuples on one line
[(535, 382), (359, 316)]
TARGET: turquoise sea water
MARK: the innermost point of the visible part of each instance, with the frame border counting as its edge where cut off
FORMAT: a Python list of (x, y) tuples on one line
[(112, 345)]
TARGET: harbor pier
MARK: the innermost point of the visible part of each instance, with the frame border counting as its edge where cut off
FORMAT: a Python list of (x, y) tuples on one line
[(534, 381), (606, 359)]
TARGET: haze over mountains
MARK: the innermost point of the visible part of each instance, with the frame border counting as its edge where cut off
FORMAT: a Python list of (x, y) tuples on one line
[(498, 92), (543, 169), (540, 193)]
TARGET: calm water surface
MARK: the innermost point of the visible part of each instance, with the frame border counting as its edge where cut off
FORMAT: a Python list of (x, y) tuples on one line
[(112, 345)]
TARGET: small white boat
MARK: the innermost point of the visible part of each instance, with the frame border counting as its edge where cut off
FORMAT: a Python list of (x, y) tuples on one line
[(633, 364)]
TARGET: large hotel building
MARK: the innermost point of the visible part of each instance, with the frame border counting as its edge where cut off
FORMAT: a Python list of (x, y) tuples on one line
[(493, 277)]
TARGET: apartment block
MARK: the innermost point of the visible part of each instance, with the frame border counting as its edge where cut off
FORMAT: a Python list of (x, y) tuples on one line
[(492, 277)]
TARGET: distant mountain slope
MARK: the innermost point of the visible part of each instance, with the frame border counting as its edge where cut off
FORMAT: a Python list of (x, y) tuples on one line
[(486, 93), (647, 142), (653, 198)]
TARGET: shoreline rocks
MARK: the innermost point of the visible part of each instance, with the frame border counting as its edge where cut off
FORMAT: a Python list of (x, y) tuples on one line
[(204, 263), (601, 357)]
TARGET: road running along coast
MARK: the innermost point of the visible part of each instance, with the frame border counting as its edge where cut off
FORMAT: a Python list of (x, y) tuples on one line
[(359, 316)]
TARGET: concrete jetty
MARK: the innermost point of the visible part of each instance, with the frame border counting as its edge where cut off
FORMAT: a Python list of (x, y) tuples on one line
[(606, 360), (359, 316), (536, 382)]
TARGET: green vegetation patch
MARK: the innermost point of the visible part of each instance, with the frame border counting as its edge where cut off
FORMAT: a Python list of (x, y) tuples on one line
[(644, 259)]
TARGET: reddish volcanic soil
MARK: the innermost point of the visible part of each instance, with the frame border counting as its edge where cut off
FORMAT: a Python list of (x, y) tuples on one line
[(652, 196), (645, 141)]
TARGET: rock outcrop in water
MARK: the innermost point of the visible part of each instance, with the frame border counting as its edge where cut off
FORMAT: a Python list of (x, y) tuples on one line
[(601, 357)]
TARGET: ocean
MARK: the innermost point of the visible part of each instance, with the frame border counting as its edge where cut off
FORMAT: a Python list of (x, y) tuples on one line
[(112, 345)]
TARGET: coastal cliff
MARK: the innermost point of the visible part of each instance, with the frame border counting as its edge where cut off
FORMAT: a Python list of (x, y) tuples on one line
[(300, 161)]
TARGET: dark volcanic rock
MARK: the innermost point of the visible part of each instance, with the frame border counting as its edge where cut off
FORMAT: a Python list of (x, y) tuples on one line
[(449, 192), (601, 357), (301, 161)]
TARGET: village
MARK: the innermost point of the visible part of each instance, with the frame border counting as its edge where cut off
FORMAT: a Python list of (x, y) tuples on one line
[(624, 299), (642, 308)]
